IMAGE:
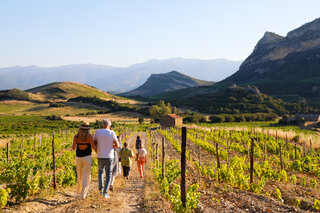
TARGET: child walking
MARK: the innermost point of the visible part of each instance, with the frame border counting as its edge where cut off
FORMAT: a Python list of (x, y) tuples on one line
[(125, 155), (142, 159)]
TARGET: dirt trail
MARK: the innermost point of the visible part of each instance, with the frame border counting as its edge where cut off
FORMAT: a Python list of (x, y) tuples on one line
[(128, 196)]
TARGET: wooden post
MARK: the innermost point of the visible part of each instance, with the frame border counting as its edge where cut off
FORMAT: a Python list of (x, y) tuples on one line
[(251, 160), (286, 141), (310, 144), (54, 163), (199, 155), (183, 165), (152, 152), (217, 153), (295, 151), (304, 148), (157, 157), (163, 160), (265, 149), (40, 139), (280, 151), (268, 133), (228, 161), (8, 152)]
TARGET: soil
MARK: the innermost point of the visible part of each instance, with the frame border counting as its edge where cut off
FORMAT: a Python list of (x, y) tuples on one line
[(232, 199), (133, 195)]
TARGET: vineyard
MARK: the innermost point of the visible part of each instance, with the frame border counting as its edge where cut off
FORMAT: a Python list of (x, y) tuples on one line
[(285, 176), (33, 164), (224, 170)]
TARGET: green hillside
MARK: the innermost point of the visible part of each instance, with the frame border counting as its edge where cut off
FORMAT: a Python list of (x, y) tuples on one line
[(66, 90), (233, 100)]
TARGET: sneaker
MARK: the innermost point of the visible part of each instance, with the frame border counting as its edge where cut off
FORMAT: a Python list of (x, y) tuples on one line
[(106, 196), (111, 188), (101, 192)]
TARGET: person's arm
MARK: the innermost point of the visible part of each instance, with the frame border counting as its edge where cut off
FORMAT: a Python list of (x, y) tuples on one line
[(92, 143), (115, 141), (74, 144), (95, 141)]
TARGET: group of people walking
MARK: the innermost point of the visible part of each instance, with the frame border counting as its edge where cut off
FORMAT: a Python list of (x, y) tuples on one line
[(110, 154)]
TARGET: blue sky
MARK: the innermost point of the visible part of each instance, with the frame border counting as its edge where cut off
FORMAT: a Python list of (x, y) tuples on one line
[(124, 32)]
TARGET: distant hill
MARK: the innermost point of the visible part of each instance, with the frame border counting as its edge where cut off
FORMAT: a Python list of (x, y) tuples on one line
[(116, 79), (159, 83), (286, 67), (66, 90), (58, 91)]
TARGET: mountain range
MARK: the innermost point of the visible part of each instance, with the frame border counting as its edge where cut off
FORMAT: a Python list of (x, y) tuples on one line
[(284, 66), (115, 79)]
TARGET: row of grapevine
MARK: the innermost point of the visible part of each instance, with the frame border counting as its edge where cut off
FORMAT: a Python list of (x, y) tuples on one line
[(235, 170)]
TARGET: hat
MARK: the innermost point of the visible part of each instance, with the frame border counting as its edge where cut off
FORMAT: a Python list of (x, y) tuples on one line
[(85, 125)]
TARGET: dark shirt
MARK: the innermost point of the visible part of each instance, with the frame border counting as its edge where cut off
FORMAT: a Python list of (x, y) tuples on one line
[(83, 153), (138, 143)]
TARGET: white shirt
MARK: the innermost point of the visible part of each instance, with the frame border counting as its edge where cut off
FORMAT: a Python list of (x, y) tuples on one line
[(142, 152), (105, 138)]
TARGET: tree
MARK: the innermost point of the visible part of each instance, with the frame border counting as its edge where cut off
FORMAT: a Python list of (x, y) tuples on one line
[(159, 110), (141, 120), (216, 118)]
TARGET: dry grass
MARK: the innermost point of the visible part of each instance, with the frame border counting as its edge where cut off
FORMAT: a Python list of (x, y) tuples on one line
[(121, 116)]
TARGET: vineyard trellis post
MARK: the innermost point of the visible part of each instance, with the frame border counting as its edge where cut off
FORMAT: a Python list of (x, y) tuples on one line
[(199, 152), (251, 160), (228, 161), (295, 151), (218, 160), (265, 149), (152, 151), (54, 163), (280, 151), (8, 152), (183, 165), (311, 145), (163, 159), (157, 156), (304, 149)]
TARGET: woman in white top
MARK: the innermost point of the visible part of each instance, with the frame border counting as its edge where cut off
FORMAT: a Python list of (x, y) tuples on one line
[(142, 159)]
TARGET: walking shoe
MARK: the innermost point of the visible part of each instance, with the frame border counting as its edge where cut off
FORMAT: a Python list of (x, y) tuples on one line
[(101, 192), (106, 196), (111, 188)]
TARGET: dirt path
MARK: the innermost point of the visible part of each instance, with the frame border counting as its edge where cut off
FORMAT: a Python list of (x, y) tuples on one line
[(128, 196)]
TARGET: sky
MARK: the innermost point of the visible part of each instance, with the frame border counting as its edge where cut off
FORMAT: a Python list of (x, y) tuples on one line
[(124, 32)]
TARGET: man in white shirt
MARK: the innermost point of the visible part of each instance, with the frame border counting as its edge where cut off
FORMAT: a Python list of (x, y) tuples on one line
[(106, 140)]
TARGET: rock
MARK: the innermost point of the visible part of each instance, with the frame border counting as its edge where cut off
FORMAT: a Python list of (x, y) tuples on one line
[(199, 209)]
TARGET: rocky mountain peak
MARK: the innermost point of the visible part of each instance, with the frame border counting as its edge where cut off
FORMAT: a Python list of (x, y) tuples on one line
[(308, 29), (269, 39)]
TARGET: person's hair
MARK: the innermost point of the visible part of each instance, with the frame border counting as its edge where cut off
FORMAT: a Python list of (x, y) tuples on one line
[(138, 137), (83, 134), (106, 122), (125, 144)]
